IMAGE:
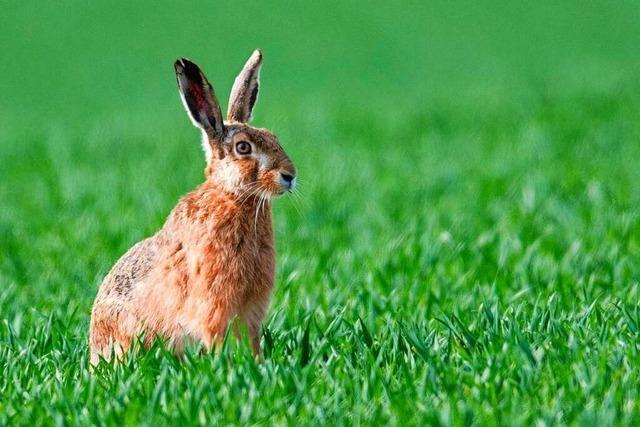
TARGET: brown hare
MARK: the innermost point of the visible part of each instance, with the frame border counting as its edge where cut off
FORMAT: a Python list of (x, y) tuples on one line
[(214, 258)]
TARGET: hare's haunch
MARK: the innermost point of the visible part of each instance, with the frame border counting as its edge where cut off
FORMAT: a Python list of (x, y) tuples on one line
[(214, 258)]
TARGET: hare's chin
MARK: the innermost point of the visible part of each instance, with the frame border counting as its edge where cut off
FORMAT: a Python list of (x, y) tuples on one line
[(280, 192), (270, 193)]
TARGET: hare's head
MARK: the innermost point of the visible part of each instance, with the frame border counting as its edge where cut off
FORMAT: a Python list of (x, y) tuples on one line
[(240, 157)]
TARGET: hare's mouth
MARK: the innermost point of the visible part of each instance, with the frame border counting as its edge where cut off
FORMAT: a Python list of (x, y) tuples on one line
[(280, 192)]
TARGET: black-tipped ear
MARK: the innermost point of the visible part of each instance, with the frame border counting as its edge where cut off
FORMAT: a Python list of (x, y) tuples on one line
[(199, 99), (245, 90)]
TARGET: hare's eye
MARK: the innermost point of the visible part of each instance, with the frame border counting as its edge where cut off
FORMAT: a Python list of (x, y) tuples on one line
[(243, 147)]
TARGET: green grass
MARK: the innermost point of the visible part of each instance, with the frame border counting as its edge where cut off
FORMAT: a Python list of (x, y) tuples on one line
[(466, 250)]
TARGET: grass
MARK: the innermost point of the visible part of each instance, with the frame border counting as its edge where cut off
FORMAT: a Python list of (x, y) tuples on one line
[(465, 252)]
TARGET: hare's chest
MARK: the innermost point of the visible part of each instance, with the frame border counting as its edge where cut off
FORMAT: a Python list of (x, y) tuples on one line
[(256, 263), (236, 265)]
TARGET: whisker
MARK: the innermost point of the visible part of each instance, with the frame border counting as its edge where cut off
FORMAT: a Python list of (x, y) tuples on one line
[(255, 221), (267, 199), (247, 191), (295, 202), (249, 186), (299, 201), (246, 195)]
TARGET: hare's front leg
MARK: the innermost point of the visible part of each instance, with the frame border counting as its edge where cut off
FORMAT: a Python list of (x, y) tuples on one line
[(216, 326), (252, 315)]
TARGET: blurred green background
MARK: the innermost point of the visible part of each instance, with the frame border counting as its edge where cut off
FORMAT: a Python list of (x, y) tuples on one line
[(465, 250), (77, 58)]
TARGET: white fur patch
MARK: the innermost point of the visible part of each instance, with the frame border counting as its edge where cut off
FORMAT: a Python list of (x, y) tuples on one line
[(208, 152), (186, 107), (263, 160), (228, 174)]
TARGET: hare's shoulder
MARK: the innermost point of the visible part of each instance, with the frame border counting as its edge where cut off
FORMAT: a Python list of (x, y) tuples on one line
[(132, 267)]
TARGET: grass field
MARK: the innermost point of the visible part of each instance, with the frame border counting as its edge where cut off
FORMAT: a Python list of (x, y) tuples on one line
[(466, 250)]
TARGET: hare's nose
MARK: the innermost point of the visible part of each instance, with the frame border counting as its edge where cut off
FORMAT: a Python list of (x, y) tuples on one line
[(288, 180)]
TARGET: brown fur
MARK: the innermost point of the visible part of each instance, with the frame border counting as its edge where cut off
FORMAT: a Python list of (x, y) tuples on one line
[(214, 258)]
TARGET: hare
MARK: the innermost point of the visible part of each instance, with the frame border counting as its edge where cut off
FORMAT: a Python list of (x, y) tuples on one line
[(214, 258)]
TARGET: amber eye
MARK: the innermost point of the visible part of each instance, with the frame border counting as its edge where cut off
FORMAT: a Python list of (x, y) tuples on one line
[(243, 147)]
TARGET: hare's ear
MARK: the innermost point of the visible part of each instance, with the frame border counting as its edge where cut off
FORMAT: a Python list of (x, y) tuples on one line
[(199, 99), (245, 90)]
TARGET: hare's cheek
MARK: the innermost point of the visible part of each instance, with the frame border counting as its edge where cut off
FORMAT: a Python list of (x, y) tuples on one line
[(249, 170)]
